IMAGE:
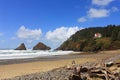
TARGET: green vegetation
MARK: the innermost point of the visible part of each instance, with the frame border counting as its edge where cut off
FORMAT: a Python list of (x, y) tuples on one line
[(84, 40)]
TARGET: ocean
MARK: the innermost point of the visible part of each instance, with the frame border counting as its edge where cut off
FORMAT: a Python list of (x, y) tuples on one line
[(21, 54)]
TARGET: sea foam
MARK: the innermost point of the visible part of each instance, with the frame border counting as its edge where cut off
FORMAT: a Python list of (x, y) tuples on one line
[(21, 54)]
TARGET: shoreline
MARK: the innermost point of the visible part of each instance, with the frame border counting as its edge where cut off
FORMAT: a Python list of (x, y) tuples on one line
[(37, 59), (9, 69), (72, 55)]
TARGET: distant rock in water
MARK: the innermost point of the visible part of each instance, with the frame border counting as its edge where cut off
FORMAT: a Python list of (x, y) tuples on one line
[(41, 46), (21, 47)]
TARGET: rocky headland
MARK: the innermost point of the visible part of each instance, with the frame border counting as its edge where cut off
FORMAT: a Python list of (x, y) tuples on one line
[(93, 39)]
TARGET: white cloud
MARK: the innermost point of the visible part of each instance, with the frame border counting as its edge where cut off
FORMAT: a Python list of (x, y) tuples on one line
[(25, 33), (98, 13), (82, 19), (61, 34), (99, 10), (101, 2), (114, 9)]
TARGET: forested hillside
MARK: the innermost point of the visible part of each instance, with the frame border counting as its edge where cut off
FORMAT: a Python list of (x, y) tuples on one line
[(94, 39)]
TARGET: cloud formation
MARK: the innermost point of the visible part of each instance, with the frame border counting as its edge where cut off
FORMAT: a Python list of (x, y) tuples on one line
[(114, 9), (98, 13), (25, 33), (99, 10), (101, 2), (61, 34), (82, 19)]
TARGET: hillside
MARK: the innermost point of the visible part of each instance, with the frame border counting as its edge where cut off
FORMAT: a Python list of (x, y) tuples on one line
[(94, 39)]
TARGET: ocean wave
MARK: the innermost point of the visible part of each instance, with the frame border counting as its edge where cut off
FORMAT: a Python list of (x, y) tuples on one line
[(21, 54)]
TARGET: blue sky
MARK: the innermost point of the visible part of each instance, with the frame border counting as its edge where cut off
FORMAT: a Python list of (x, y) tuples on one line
[(52, 21)]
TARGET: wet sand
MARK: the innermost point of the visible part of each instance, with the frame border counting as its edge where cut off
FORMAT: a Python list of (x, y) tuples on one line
[(17, 67)]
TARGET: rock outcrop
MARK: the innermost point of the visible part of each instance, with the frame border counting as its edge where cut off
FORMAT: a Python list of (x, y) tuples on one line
[(41, 46), (21, 47)]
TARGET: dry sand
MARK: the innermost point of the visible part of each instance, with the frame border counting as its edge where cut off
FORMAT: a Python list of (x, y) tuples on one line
[(12, 70)]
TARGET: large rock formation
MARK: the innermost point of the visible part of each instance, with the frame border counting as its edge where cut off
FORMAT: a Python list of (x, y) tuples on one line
[(21, 47), (41, 46)]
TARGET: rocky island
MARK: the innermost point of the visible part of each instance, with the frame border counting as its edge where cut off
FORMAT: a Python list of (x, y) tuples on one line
[(21, 47), (41, 46)]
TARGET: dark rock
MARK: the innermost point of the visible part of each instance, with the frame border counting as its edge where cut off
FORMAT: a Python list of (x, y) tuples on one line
[(21, 47), (41, 46), (84, 69), (74, 77), (118, 65)]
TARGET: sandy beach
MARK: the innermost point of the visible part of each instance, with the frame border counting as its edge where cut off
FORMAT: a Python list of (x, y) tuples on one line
[(12, 68)]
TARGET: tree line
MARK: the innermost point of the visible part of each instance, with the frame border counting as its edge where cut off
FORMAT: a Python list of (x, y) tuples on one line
[(84, 40)]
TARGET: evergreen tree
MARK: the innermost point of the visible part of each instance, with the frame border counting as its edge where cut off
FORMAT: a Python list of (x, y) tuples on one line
[(114, 34), (118, 36)]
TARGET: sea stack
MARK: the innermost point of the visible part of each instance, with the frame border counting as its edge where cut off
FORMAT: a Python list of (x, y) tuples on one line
[(41, 46), (21, 47)]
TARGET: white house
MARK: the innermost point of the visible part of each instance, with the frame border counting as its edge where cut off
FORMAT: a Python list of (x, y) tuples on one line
[(97, 35)]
